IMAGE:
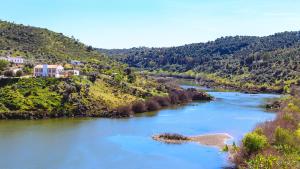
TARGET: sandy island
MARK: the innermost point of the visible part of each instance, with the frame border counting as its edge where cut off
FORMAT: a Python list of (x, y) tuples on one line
[(215, 140)]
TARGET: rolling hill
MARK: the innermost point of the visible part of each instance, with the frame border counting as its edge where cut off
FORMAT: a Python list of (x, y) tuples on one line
[(266, 61)]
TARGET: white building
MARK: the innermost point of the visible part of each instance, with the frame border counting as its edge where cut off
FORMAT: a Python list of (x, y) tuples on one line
[(15, 60), (48, 70), (76, 62)]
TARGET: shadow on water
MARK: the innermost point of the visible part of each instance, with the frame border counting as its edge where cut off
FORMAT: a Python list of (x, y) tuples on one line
[(13, 127)]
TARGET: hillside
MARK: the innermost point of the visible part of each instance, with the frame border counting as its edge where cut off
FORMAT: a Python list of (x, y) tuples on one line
[(42, 44), (105, 88), (104, 85), (266, 61)]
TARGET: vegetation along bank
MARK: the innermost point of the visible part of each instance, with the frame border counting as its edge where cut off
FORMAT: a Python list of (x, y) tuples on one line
[(274, 144), (38, 98)]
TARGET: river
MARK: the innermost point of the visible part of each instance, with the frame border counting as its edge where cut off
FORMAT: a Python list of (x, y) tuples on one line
[(92, 143)]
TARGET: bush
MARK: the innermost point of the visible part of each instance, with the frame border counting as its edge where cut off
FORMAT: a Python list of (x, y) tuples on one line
[(3, 108), (170, 136), (139, 107), (225, 148), (263, 162), (19, 73), (183, 97), (254, 142), (283, 136), (152, 105), (174, 98), (3, 64), (9, 73), (125, 110), (162, 101)]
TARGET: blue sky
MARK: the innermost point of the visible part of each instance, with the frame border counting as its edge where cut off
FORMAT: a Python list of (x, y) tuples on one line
[(154, 23)]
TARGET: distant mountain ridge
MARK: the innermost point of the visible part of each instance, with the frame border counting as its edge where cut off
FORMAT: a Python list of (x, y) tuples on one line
[(270, 59)]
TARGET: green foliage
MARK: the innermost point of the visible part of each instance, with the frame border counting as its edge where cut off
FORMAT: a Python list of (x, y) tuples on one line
[(3, 108), (234, 146), (225, 148), (19, 73), (42, 44), (28, 95), (13, 99), (254, 142), (262, 162), (3, 64), (8, 73), (259, 131), (271, 61), (283, 136)]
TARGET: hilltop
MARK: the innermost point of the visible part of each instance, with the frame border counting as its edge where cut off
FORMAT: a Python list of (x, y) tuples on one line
[(271, 62)]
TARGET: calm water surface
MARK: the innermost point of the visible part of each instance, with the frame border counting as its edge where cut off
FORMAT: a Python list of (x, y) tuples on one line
[(127, 143)]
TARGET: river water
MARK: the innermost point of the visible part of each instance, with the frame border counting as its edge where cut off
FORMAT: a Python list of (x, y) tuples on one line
[(126, 143)]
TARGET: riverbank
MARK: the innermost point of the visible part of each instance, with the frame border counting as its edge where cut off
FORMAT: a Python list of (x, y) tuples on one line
[(214, 140), (175, 96), (224, 84), (274, 144)]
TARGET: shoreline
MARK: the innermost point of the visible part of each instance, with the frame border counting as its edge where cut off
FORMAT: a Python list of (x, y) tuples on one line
[(219, 86), (175, 97), (217, 140)]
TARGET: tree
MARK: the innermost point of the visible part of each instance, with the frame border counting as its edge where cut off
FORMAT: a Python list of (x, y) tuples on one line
[(89, 48), (3, 64), (93, 77), (131, 78), (19, 73), (254, 142)]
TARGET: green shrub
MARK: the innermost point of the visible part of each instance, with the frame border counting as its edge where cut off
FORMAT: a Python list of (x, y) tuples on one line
[(3, 108), (254, 142), (225, 148), (3, 64), (19, 73), (258, 131), (283, 136), (9, 73), (262, 162)]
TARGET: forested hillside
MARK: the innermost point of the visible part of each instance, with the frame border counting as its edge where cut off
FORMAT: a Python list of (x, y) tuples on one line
[(270, 60), (38, 43)]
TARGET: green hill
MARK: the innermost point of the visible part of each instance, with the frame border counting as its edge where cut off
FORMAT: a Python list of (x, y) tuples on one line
[(105, 85), (38, 43), (270, 61)]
